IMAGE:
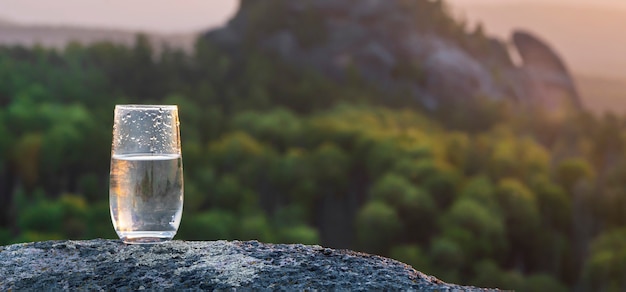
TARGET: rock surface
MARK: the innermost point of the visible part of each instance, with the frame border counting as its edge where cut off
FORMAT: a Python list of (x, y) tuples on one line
[(547, 79), (187, 265)]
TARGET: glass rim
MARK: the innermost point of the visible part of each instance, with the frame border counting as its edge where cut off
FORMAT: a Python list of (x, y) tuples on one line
[(146, 106)]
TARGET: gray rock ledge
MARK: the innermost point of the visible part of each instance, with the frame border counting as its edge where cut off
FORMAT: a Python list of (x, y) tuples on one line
[(203, 265)]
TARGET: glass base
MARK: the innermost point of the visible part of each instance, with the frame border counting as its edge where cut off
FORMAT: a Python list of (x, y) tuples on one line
[(146, 237)]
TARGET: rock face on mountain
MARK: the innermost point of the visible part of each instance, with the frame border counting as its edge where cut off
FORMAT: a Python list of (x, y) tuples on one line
[(395, 44), (545, 75), (177, 265)]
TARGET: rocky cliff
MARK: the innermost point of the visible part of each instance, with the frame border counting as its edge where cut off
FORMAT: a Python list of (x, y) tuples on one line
[(414, 46), (96, 265), (543, 74)]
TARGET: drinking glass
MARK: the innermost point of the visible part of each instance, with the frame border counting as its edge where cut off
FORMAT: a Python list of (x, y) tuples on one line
[(146, 186)]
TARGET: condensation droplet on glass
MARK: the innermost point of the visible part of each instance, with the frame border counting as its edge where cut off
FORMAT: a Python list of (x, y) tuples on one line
[(152, 142)]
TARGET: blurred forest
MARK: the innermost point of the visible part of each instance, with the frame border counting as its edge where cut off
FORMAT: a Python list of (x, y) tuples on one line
[(483, 194)]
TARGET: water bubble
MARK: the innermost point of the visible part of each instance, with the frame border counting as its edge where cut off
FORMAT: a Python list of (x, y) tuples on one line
[(153, 139)]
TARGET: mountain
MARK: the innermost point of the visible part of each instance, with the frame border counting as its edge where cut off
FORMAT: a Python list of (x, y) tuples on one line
[(4, 22), (588, 35), (410, 46)]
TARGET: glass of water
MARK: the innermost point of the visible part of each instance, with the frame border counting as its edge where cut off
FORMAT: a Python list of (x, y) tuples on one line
[(146, 186)]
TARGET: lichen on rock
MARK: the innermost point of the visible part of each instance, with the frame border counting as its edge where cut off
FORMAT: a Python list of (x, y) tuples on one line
[(203, 265)]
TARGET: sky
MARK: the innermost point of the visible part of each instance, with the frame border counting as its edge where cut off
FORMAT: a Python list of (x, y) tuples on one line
[(164, 16), (607, 3)]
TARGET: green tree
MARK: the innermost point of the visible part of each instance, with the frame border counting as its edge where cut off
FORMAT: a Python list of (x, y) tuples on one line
[(229, 194), (330, 165), (65, 217), (241, 154), (542, 282), (298, 234), (412, 255), (477, 229), (377, 226), (214, 224), (279, 127), (255, 227), (606, 268), (447, 258), (554, 205), (416, 208), (522, 218), (481, 190), (571, 171), (26, 154)]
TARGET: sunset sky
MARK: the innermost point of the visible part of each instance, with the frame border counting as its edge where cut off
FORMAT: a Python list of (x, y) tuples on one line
[(166, 16), (584, 2)]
